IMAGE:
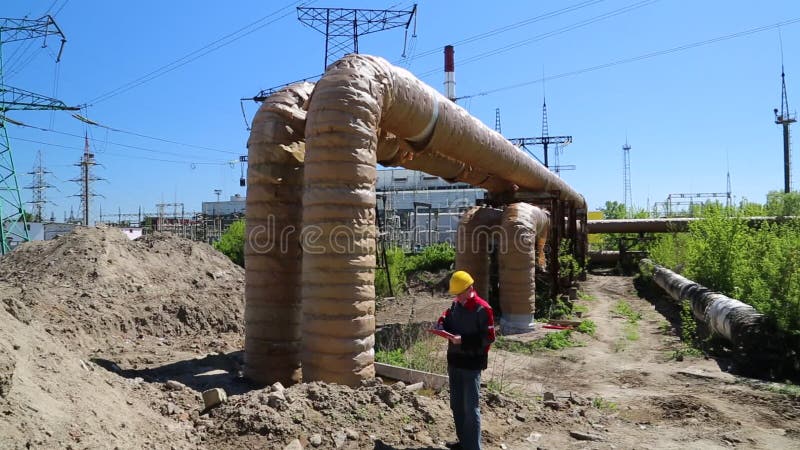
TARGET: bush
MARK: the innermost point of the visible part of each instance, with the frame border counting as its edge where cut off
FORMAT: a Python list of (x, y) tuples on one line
[(432, 258), (757, 265), (231, 244)]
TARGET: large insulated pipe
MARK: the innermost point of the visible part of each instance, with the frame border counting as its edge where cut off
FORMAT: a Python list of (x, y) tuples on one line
[(395, 152), (478, 229), (272, 252), (358, 96), (670, 225), (450, 72), (728, 317), (524, 225)]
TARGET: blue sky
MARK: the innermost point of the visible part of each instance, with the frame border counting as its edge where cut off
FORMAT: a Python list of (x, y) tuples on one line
[(690, 115)]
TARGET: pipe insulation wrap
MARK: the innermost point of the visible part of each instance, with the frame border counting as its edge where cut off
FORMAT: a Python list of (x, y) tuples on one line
[(524, 226), (272, 253), (478, 230), (730, 318)]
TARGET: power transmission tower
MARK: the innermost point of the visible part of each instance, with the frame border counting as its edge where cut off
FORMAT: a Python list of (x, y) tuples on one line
[(86, 163), (545, 140), (785, 119), (38, 188), (497, 121), (13, 222), (626, 179), (343, 26)]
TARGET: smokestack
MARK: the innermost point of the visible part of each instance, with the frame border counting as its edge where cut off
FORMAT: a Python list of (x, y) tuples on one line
[(449, 73)]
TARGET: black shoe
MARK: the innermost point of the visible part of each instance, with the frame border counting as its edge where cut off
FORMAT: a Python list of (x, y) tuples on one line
[(453, 445)]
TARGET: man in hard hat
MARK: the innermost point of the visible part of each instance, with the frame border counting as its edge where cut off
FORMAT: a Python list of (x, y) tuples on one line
[(471, 322)]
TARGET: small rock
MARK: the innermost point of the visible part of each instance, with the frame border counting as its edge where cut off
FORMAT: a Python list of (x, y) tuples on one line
[(351, 434), (521, 417), (294, 445), (276, 400), (214, 397), (399, 386), (339, 438), (415, 387), (585, 436), (277, 387), (534, 437), (173, 385), (503, 446), (553, 405), (315, 439), (548, 396)]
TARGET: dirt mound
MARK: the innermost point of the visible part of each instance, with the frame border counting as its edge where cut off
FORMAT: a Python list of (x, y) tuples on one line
[(95, 283), (334, 416)]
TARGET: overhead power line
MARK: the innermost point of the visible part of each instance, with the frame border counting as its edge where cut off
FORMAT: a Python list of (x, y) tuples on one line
[(127, 155), (549, 34), (477, 37), (202, 51), (639, 58), (99, 125), (513, 26)]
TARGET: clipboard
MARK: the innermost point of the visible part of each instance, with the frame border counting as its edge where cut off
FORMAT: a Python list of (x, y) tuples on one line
[(441, 333)]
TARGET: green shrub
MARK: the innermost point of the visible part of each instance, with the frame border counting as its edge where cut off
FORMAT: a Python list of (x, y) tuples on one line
[(231, 243), (396, 260), (587, 327), (432, 258), (757, 265)]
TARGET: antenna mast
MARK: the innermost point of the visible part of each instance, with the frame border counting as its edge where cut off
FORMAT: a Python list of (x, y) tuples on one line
[(785, 119)]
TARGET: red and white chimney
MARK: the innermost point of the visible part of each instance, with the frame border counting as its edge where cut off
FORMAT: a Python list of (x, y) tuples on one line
[(449, 72)]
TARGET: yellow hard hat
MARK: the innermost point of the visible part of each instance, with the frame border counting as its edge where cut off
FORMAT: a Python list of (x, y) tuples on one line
[(460, 281)]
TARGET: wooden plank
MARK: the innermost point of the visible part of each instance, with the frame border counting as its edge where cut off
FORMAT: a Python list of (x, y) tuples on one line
[(409, 376)]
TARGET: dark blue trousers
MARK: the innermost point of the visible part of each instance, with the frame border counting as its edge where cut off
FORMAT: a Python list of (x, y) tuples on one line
[(465, 388)]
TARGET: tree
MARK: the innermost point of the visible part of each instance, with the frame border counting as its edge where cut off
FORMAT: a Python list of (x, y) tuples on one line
[(232, 242), (783, 204), (613, 210)]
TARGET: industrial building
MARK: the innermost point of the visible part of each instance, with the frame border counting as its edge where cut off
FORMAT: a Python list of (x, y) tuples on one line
[(416, 208)]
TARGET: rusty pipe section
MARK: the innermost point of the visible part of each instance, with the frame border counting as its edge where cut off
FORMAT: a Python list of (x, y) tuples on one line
[(523, 226), (478, 230), (276, 150)]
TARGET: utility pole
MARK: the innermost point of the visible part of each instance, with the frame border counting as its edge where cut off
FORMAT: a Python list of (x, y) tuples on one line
[(86, 163), (626, 179), (785, 119), (13, 222), (343, 26), (545, 140), (38, 188)]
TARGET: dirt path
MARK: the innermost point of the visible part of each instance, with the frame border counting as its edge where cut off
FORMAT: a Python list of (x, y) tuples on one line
[(645, 398)]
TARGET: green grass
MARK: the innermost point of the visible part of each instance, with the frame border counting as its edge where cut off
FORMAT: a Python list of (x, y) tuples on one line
[(583, 309), (587, 327), (552, 341), (420, 356), (789, 389), (631, 331), (601, 403), (684, 351), (584, 296), (624, 309)]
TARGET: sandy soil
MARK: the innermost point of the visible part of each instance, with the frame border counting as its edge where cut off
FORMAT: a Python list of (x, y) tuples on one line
[(111, 345)]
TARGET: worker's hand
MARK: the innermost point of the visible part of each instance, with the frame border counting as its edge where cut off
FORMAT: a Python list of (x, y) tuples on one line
[(456, 339)]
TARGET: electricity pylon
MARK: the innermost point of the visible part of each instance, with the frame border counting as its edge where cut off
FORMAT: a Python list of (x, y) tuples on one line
[(13, 222)]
